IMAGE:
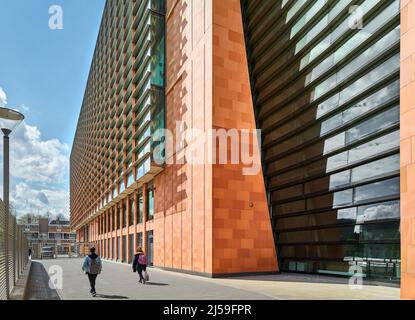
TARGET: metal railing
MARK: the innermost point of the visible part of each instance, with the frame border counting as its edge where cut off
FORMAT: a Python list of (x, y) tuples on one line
[(14, 252)]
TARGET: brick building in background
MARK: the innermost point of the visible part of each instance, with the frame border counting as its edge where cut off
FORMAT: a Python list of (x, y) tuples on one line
[(319, 78), (44, 232)]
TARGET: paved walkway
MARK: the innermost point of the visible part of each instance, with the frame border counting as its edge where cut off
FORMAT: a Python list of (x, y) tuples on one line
[(117, 281), (38, 285)]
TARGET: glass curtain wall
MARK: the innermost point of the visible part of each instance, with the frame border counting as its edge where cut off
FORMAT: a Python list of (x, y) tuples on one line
[(325, 83)]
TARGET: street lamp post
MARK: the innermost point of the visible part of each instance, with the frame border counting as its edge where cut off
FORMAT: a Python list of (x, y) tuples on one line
[(9, 120)]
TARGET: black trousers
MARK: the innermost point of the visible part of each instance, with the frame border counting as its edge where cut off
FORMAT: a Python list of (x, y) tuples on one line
[(92, 279), (140, 269)]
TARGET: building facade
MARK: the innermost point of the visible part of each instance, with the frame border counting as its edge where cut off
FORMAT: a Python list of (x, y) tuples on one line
[(42, 232), (320, 79), (154, 65)]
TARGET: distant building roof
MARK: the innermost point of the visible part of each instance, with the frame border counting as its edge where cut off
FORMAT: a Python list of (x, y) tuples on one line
[(60, 222)]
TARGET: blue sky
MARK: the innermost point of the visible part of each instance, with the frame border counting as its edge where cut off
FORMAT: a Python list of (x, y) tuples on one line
[(43, 74)]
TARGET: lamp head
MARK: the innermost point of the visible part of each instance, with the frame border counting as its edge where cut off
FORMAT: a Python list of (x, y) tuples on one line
[(9, 120)]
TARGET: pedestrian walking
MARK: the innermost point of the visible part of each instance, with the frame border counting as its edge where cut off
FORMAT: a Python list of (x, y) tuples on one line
[(92, 267), (140, 265)]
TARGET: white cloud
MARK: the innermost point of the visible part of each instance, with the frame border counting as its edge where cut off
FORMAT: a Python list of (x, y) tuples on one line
[(26, 199), (3, 97), (38, 170), (37, 160), (25, 109)]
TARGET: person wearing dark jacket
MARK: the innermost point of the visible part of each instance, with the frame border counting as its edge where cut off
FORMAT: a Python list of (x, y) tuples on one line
[(140, 264), (92, 267)]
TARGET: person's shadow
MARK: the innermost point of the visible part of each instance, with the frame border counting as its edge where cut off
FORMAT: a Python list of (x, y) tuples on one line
[(149, 283), (115, 297)]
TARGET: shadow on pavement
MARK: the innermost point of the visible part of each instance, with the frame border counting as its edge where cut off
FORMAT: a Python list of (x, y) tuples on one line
[(115, 297), (38, 284), (149, 283), (308, 278)]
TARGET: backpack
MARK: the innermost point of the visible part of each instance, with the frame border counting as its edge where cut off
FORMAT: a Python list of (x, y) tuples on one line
[(142, 259), (95, 267)]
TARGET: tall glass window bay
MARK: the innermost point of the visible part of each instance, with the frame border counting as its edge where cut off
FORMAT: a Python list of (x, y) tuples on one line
[(327, 99)]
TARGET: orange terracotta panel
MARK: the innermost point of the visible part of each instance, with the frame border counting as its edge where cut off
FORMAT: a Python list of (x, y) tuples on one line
[(243, 193)]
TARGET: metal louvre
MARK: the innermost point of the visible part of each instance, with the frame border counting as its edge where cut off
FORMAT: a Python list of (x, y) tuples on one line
[(10, 252), (3, 280), (15, 251)]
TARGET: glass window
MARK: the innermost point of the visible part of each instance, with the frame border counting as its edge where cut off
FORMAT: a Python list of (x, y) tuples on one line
[(305, 18), (140, 239), (118, 248), (379, 73), (122, 186), (376, 50), (333, 234), (377, 123), (379, 211), (380, 232), (343, 198), (368, 30), (158, 53), (113, 248), (328, 105), (118, 218), (131, 248), (376, 168), (360, 108), (377, 190), (140, 207), (130, 179), (359, 86), (335, 142), (332, 123), (124, 215), (150, 203), (150, 247), (337, 161), (347, 214), (294, 9), (131, 209), (380, 46), (113, 220), (124, 248), (371, 170), (339, 179), (374, 147), (331, 38)]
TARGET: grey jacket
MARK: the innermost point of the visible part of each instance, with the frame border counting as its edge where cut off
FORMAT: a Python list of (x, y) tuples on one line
[(86, 267)]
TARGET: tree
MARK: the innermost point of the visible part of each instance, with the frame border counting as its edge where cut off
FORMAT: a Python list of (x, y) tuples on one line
[(28, 218)]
